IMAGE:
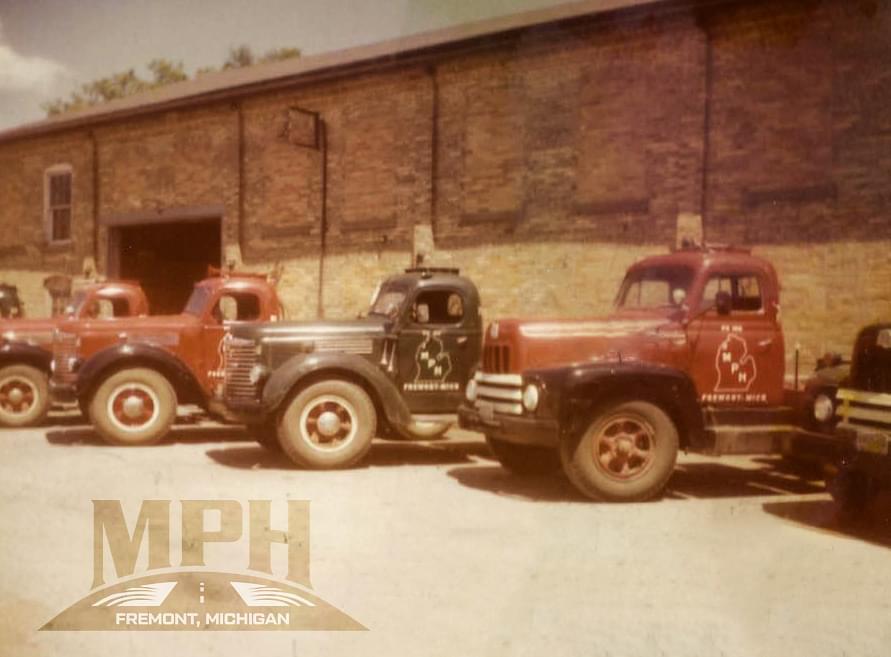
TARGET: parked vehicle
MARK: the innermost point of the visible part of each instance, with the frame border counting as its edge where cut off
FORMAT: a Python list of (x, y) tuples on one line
[(692, 358), (864, 427), (815, 447), (26, 347), (129, 377), (323, 390)]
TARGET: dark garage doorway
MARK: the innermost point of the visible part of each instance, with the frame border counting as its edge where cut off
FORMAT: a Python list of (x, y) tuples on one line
[(166, 258)]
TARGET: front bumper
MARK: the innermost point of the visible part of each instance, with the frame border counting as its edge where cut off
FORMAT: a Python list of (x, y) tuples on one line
[(63, 392), (519, 429), (245, 406), (868, 451)]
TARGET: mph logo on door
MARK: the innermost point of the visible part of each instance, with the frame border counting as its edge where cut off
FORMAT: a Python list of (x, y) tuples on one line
[(194, 596)]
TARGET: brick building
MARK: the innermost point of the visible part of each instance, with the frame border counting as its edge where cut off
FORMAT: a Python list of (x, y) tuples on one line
[(542, 153)]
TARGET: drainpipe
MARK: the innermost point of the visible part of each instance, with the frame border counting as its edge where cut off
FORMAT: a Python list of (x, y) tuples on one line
[(706, 129), (323, 148), (241, 229), (94, 147)]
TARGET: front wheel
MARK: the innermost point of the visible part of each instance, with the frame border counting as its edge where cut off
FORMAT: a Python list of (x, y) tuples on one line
[(328, 425), (24, 396), (626, 454), (133, 407), (853, 491), (524, 459)]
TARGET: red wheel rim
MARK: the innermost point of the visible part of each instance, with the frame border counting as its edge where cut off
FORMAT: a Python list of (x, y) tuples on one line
[(328, 422), (133, 406), (624, 447), (17, 395)]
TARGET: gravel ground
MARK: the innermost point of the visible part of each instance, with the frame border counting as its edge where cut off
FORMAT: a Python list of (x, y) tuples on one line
[(438, 551)]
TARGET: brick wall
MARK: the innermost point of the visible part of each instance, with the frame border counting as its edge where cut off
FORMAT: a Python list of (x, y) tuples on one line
[(543, 164)]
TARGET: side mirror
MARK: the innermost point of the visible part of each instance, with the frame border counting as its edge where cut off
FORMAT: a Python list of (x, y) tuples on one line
[(723, 302), (422, 313)]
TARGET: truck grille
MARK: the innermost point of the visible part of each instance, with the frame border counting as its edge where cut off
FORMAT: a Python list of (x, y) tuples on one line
[(64, 355), (241, 356), (501, 392), (496, 358), (864, 410)]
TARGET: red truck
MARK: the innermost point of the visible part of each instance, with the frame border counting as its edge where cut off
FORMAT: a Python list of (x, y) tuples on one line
[(26, 347), (129, 377), (692, 358)]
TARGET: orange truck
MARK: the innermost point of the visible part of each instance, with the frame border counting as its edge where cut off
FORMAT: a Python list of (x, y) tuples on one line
[(26, 347)]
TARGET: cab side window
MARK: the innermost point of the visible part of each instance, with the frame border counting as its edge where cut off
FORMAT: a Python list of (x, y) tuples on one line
[(233, 307), (438, 307), (120, 307), (744, 291)]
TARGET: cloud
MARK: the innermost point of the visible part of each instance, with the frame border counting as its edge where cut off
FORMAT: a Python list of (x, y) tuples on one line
[(28, 74)]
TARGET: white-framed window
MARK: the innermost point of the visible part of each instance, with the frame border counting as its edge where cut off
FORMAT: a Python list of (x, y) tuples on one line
[(57, 203)]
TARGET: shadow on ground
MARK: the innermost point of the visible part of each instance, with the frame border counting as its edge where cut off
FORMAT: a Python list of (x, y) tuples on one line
[(873, 525), (689, 481), (382, 454), (86, 436)]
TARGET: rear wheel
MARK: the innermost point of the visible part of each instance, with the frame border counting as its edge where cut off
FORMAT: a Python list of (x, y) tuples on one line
[(524, 459), (626, 454), (24, 396), (328, 425), (133, 407)]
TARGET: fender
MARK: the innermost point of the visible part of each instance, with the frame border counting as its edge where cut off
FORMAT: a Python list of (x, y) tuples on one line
[(349, 366), (582, 386), (94, 369), (22, 353)]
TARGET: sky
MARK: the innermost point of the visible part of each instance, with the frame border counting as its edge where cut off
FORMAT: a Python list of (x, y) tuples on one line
[(50, 47)]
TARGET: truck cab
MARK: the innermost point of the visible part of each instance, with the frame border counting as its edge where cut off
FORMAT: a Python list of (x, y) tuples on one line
[(26, 347), (322, 390), (691, 357), (863, 412), (131, 374)]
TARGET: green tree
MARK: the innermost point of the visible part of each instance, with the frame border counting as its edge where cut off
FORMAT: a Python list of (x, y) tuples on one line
[(163, 72)]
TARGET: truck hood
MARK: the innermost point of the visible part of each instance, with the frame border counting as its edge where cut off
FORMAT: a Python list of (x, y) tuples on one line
[(514, 345), (32, 331), (128, 324), (296, 331)]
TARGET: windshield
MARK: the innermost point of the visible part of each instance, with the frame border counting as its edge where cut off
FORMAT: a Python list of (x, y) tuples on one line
[(198, 301), (656, 287), (387, 302), (73, 308)]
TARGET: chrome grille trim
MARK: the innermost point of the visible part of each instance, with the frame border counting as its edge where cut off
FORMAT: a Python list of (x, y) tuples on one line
[(64, 350), (502, 391), (241, 356), (348, 345), (868, 410)]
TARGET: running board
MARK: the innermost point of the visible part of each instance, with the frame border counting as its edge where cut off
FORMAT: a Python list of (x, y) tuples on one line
[(754, 439)]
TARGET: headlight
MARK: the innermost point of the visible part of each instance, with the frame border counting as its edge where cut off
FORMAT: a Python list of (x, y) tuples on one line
[(824, 409), (530, 397), (470, 391), (257, 373), (73, 364)]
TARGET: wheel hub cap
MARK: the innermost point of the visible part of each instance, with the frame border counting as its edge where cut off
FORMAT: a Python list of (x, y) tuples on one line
[(328, 424), (133, 407), (16, 395)]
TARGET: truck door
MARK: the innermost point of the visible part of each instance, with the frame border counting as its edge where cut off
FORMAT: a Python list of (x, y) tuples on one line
[(737, 353), (230, 307), (437, 346)]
